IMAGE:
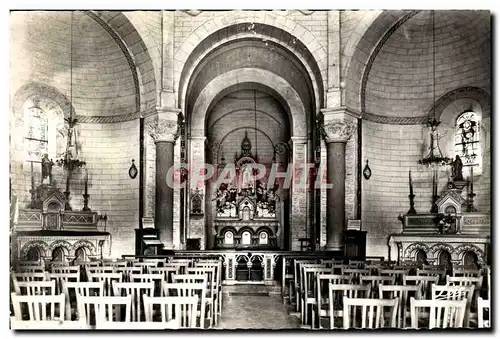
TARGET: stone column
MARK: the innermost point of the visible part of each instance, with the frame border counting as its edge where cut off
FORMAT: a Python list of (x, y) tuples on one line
[(336, 130), (164, 131)]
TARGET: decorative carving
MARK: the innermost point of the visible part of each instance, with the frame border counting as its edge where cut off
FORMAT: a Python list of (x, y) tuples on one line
[(413, 248), (441, 247), (462, 249), (86, 244), (336, 130), (196, 202), (63, 244), (163, 130), (280, 148), (37, 243)]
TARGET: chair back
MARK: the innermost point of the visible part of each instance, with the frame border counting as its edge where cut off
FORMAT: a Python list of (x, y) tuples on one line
[(99, 309), (404, 293), (65, 269), (181, 308), (26, 276), (166, 271), (40, 307), (73, 290), (466, 272), (127, 271), (62, 277), (355, 273), (397, 273), (357, 263), (425, 283), (145, 264), (375, 313), (189, 290), (35, 287), (157, 279), (31, 269), (450, 292), (106, 279), (336, 294), (482, 305), (375, 280), (443, 313), (135, 290)]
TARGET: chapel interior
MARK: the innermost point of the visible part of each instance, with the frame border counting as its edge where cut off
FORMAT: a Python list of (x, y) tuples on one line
[(297, 169)]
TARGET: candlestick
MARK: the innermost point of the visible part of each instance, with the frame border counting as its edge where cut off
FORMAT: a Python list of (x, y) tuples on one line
[(411, 196), (32, 191), (86, 195), (434, 208), (470, 203)]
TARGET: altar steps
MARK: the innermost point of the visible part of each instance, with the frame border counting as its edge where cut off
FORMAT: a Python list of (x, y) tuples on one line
[(252, 290)]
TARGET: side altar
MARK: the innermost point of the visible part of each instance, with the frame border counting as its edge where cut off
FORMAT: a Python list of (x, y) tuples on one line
[(453, 233)]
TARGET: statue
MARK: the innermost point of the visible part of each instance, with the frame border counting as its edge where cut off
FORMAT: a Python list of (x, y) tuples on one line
[(456, 169), (47, 168)]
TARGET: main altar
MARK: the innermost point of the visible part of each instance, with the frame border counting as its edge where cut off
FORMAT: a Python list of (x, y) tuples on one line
[(245, 208)]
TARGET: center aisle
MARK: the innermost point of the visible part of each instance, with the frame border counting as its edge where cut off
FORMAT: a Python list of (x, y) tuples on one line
[(255, 312)]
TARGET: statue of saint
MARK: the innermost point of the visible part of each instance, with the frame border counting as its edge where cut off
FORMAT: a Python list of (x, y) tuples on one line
[(456, 169), (47, 168)]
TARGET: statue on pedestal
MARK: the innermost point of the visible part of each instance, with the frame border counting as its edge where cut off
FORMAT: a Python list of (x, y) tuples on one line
[(47, 169), (456, 169)]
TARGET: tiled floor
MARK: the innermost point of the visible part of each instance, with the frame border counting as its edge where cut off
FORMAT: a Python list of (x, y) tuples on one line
[(255, 312)]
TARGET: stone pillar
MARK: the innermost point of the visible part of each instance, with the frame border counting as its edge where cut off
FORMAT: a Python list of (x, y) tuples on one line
[(164, 131), (337, 128)]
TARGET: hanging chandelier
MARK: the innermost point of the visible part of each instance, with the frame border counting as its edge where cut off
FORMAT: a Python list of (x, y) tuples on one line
[(67, 161), (435, 157)]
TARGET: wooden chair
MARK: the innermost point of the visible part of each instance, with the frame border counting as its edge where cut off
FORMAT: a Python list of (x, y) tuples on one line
[(144, 265), (296, 279), (157, 279), (308, 291), (78, 289), (166, 271), (212, 290), (321, 307), (404, 293), (396, 273), (336, 294), (31, 269), (374, 281), (182, 308), (35, 287), (33, 276), (355, 273), (443, 313), (99, 269), (373, 314), (466, 272), (448, 292), (106, 279), (127, 271), (135, 290), (63, 277), (65, 269), (98, 309), (37, 306), (218, 281), (432, 272), (190, 290), (482, 305), (357, 263), (467, 281), (425, 283), (300, 286)]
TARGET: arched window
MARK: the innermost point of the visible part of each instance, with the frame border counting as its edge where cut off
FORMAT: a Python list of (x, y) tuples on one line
[(467, 144), (36, 132)]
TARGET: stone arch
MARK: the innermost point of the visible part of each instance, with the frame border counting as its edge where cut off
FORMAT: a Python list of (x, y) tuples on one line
[(412, 250), (189, 67), (42, 246), (271, 19), (66, 246), (463, 249), (265, 78), (469, 92), (436, 250), (41, 90), (86, 245)]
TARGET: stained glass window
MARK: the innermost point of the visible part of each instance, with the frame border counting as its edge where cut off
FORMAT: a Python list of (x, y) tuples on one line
[(467, 139), (36, 134)]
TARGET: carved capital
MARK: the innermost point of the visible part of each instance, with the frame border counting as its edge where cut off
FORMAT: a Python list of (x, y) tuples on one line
[(337, 130), (163, 130)]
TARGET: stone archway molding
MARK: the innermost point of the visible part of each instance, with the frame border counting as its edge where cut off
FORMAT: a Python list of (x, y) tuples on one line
[(253, 75)]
